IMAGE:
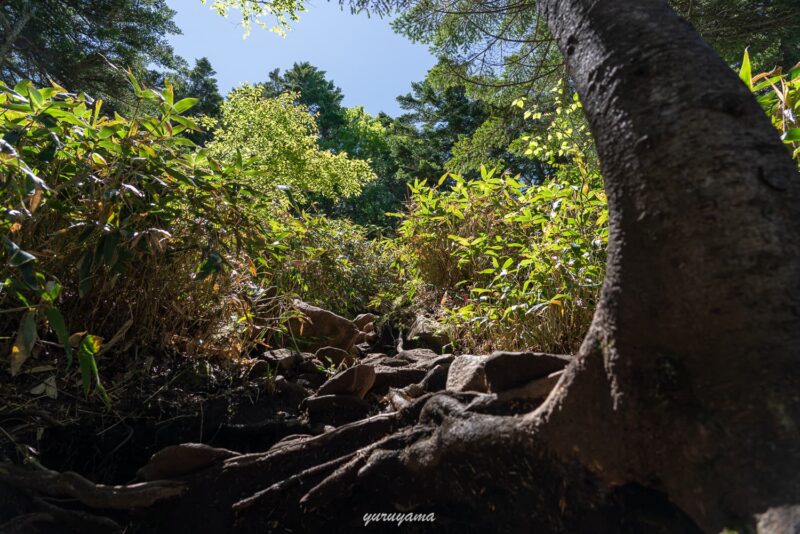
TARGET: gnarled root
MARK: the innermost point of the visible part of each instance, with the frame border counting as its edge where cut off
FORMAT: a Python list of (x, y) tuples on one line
[(441, 454), (475, 472), (72, 485)]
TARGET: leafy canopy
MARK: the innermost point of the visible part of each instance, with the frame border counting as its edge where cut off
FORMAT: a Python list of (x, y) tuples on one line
[(278, 141), (314, 91), (200, 82), (257, 11), (771, 28), (75, 43)]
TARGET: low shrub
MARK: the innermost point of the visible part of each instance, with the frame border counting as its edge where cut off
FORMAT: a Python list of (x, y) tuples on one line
[(332, 263), (119, 233), (114, 226), (513, 265)]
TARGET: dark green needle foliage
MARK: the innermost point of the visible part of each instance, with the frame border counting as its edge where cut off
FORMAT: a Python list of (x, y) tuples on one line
[(75, 43)]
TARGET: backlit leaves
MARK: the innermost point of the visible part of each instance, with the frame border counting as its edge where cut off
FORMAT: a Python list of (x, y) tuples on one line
[(272, 142)]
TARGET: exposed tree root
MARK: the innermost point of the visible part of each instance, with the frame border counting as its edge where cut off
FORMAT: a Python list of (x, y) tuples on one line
[(178, 460), (442, 453), (50, 518), (73, 485)]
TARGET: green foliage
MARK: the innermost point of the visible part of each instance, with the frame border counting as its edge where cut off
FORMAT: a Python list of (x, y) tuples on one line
[(274, 142), (87, 350), (365, 137), (770, 27), (434, 120), (332, 263), (350, 131), (417, 144), (123, 228), (75, 43), (256, 11), (107, 220), (494, 48), (315, 92), (513, 265), (199, 82), (496, 143), (368, 138), (779, 94)]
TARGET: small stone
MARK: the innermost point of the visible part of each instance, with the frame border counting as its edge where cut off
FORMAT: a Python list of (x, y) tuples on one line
[(371, 338), (436, 379), (445, 359), (395, 377), (373, 358), (334, 356), (507, 370), (398, 399), (414, 391), (356, 381), (317, 328), (502, 371), (311, 380), (388, 361), (779, 520), (290, 388), (284, 359), (428, 332), (260, 368), (417, 355), (536, 389), (309, 364), (467, 374), (335, 409), (364, 347), (363, 320)]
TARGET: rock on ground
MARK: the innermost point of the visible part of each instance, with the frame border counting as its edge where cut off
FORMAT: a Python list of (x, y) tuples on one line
[(501, 371), (318, 328)]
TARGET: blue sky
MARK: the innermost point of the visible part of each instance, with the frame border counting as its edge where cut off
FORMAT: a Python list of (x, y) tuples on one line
[(362, 55)]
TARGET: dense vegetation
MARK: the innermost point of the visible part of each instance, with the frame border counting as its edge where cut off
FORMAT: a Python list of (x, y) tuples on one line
[(187, 223), (556, 293)]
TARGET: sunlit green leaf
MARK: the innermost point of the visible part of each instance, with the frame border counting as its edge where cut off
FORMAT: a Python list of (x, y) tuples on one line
[(792, 135), (87, 350), (185, 104)]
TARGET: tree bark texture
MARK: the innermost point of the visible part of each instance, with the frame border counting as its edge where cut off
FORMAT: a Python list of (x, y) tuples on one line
[(697, 334)]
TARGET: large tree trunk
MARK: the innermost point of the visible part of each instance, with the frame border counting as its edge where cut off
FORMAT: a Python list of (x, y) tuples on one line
[(687, 382), (697, 334)]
